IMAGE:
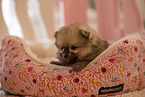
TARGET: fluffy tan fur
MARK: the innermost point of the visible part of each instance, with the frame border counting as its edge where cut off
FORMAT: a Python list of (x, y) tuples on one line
[(78, 44)]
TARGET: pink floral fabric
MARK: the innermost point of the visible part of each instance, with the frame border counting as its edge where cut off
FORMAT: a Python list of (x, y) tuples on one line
[(121, 69)]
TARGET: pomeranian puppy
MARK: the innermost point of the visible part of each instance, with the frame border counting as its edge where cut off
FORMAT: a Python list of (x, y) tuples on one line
[(78, 44)]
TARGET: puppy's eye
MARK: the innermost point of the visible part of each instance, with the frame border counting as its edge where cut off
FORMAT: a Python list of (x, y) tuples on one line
[(62, 49), (74, 47)]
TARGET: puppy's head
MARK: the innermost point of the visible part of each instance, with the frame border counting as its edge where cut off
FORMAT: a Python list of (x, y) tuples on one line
[(74, 42)]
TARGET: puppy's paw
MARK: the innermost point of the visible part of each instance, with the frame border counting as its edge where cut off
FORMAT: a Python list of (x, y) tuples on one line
[(55, 62), (78, 66)]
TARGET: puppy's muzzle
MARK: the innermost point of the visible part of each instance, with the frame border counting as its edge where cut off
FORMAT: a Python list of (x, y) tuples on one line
[(69, 57), (65, 56), (65, 53)]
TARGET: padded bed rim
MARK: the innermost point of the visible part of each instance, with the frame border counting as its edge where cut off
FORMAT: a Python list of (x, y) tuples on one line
[(36, 59)]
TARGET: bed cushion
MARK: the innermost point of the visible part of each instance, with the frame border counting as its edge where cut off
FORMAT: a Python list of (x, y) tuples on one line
[(119, 69)]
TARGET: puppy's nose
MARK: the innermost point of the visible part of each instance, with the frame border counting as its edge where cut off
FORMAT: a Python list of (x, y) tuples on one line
[(65, 56)]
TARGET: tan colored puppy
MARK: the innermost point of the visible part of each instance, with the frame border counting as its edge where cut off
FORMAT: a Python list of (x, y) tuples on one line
[(78, 44)]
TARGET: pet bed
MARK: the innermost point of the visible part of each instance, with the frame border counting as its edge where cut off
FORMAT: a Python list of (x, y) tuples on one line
[(119, 69)]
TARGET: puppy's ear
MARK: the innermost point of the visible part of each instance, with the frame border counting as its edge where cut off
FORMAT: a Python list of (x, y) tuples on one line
[(55, 35), (85, 33)]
